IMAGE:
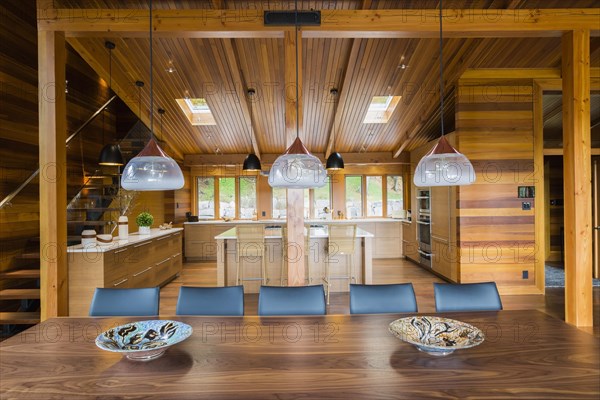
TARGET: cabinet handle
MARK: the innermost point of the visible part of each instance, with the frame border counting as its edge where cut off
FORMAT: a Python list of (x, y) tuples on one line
[(121, 282), (163, 238), (142, 244), (120, 251), (163, 261), (142, 272), (177, 234), (176, 255)]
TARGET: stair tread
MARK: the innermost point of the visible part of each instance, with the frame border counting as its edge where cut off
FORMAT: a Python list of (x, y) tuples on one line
[(92, 209), (75, 222), (21, 274), (20, 317), (29, 255), (22, 294)]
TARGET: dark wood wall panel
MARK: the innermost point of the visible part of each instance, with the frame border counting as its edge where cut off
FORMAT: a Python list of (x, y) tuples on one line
[(497, 237)]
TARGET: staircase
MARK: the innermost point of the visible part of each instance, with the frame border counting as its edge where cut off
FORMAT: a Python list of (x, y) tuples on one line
[(93, 205)]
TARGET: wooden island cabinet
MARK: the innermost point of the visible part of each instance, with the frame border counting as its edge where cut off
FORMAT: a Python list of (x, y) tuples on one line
[(142, 261)]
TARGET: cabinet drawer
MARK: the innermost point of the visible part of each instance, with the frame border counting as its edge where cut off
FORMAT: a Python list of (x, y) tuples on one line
[(144, 277), (162, 270), (141, 254), (387, 247), (176, 264), (161, 247), (121, 282), (116, 263), (388, 230)]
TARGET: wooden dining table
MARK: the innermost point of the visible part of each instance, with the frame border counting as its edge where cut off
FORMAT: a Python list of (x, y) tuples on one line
[(526, 354)]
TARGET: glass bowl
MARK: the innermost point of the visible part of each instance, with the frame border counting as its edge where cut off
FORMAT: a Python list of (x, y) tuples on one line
[(436, 335), (143, 340)]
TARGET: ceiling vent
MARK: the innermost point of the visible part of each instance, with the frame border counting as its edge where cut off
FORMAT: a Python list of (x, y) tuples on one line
[(288, 18)]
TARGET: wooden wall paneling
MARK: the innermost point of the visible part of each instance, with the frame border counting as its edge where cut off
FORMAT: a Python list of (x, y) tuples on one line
[(496, 237), (577, 177), (53, 180)]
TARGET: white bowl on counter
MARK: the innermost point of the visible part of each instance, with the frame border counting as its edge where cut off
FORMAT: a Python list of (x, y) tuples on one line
[(104, 239)]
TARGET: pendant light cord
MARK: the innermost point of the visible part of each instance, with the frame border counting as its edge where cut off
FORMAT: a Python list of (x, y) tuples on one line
[(151, 87), (251, 93), (297, 83), (441, 75)]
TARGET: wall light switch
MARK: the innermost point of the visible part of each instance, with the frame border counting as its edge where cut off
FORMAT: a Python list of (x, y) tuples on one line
[(264, 213), (525, 274)]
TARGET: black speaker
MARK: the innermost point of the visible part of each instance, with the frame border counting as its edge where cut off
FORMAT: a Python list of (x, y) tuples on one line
[(286, 18)]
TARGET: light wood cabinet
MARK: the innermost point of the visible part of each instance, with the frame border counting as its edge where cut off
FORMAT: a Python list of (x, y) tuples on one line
[(143, 263), (200, 243), (410, 247)]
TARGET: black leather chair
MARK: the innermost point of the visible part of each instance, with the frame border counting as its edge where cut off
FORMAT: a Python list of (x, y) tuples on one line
[(228, 301), (108, 302), (291, 300), (380, 299), (466, 297)]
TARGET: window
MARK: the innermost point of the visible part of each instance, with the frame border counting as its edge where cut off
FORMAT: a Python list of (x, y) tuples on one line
[(279, 203), (247, 197), (322, 199), (227, 197), (381, 109), (353, 196), (196, 111), (206, 197), (306, 203), (374, 196), (395, 199)]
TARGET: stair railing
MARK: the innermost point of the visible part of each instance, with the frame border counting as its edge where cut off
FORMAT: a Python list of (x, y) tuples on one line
[(6, 201)]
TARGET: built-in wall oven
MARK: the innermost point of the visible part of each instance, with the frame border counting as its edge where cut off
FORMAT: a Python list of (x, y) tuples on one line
[(424, 226)]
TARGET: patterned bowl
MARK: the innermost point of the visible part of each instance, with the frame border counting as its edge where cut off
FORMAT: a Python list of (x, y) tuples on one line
[(143, 340), (435, 335)]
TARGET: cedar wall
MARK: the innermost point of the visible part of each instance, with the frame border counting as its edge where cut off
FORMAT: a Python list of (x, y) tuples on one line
[(496, 238)]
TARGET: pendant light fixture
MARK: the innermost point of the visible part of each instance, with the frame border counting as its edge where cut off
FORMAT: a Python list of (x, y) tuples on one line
[(334, 161), (110, 153), (152, 169), (251, 163), (443, 165), (296, 168)]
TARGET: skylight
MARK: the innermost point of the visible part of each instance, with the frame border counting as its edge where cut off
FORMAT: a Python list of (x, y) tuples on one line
[(381, 109), (196, 111)]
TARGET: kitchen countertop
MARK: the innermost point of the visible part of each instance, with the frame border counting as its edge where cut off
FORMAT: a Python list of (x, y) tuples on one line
[(133, 238), (275, 233), (308, 221)]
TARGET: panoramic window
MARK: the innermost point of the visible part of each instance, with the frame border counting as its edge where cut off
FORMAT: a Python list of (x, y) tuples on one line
[(206, 197), (353, 196), (227, 197), (374, 196), (247, 197), (279, 203), (395, 195)]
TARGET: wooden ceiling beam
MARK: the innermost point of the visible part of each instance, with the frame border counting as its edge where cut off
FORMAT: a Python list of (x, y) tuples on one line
[(195, 160), (248, 23), (293, 104)]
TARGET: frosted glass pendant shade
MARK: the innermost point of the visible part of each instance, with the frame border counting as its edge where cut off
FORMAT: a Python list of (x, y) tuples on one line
[(297, 169), (152, 169), (444, 166)]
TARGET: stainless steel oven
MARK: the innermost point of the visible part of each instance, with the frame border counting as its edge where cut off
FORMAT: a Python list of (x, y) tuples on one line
[(424, 227)]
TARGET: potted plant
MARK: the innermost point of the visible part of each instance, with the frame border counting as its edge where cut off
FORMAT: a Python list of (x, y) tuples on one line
[(144, 221)]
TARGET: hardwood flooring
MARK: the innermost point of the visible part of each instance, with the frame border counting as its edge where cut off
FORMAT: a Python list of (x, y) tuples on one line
[(384, 271)]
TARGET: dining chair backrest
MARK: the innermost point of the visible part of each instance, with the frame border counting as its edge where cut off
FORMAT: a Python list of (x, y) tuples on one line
[(250, 240), (109, 302), (342, 238), (380, 299), (291, 300), (466, 297), (226, 301)]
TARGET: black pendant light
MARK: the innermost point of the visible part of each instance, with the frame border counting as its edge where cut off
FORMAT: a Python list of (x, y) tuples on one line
[(110, 153), (335, 160), (251, 163)]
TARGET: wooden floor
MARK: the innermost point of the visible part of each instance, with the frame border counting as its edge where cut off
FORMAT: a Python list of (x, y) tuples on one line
[(384, 271)]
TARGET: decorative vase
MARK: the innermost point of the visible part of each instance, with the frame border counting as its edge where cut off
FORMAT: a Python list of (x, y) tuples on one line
[(88, 237), (144, 230), (123, 227)]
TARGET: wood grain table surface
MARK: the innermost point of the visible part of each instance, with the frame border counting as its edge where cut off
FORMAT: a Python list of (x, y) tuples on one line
[(526, 354)]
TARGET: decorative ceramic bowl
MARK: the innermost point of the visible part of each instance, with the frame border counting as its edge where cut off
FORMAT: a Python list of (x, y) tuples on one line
[(104, 240), (143, 340), (435, 335)]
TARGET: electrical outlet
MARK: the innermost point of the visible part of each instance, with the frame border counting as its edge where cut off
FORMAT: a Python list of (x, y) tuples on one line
[(526, 205), (525, 274), (264, 213)]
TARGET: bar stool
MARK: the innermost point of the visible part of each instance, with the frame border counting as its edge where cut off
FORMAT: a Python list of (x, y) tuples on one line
[(284, 253), (250, 243), (341, 241)]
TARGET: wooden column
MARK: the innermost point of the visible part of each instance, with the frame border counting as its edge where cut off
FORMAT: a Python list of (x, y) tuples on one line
[(53, 176), (540, 206), (295, 197), (577, 177)]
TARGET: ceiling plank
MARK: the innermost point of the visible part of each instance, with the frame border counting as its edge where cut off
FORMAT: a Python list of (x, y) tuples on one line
[(396, 23), (236, 75)]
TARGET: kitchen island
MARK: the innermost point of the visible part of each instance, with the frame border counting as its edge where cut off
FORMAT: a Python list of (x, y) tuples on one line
[(316, 256)]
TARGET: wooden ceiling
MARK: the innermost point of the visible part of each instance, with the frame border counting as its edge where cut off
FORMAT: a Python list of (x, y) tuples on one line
[(221, 70)]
